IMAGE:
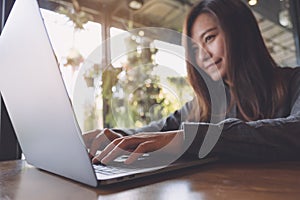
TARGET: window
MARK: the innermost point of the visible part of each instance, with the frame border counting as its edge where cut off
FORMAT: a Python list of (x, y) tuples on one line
[(143, 75), (275, 23)]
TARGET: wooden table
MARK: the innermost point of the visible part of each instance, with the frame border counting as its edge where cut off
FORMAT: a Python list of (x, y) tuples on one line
[(255, 181)]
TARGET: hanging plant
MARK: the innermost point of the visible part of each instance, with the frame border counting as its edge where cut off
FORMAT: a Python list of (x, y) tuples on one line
[(75, 14), (78, 18), (74, 58), (90, 74)]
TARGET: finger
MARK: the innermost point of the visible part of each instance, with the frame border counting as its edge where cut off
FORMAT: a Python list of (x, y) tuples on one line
[(111, 135), (99, 141), (128, 143), (106, 150), (145, 147), (119, 147), (89, 136), (116, 152)]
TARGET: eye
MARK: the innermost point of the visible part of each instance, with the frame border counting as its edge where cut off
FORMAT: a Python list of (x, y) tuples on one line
[(209, 38)]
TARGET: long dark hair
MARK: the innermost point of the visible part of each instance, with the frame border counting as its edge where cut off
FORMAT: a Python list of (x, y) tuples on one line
[(255, 85)]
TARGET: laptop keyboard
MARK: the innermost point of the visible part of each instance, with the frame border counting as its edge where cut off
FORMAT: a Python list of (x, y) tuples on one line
[(119, 167), (110, 170)]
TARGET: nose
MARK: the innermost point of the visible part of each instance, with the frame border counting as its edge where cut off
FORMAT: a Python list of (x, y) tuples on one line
[(203, 54)]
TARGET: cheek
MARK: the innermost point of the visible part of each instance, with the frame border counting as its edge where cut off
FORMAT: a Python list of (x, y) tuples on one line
[(219, 49), (200, 64), (197, 59)]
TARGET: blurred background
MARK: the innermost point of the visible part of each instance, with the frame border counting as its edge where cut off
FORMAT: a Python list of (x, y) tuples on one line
[(122, 60)]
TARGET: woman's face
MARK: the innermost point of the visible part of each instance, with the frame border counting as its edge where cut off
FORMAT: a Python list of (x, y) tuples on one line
[(209, 46)]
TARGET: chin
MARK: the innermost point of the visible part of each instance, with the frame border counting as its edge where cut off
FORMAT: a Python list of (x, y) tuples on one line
[(216, 76)]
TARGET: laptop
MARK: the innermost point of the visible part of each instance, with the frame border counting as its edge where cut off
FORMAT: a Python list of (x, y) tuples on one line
[(40, 109)]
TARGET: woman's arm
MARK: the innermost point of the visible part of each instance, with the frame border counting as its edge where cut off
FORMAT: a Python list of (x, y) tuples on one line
[(267, 139), (270, 139)]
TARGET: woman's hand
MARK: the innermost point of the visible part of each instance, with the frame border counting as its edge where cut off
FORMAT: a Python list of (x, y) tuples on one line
[(98, 139), (138, 144)]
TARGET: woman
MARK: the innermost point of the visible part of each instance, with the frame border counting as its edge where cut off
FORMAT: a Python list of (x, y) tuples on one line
[(263, 110)]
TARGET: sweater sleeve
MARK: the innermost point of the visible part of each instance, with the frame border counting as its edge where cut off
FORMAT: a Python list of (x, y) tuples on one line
[(267, 139), (271, 139)]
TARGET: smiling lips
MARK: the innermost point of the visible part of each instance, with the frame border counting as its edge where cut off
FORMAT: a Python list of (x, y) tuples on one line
[(212, 64)]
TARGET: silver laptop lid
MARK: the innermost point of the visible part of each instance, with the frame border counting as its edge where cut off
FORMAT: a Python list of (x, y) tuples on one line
[(36, 98)]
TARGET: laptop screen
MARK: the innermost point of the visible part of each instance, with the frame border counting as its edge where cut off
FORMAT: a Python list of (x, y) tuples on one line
[(36, 98)]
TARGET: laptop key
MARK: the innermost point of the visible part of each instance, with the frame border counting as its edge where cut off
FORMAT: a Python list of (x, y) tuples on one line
[(108, 170)]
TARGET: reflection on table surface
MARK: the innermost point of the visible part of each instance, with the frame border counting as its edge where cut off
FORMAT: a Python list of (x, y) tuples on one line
[(278, 180)]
